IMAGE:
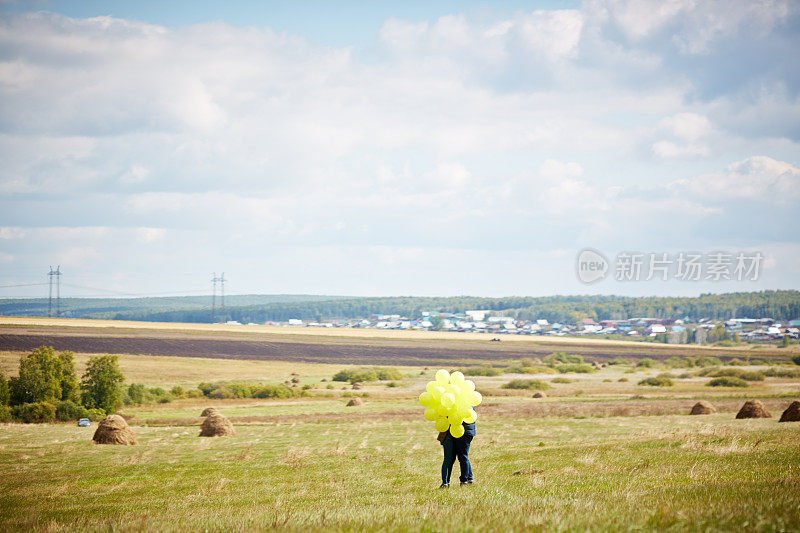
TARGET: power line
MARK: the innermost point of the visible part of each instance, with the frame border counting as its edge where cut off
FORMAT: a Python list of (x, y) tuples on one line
[(21, 285)]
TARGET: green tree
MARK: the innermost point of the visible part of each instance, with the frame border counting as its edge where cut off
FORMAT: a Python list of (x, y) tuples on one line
[(39, 378), (5, 396), (100, 384), (70, 388)]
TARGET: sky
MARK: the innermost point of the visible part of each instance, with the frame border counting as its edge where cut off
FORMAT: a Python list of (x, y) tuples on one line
[(409, 148)]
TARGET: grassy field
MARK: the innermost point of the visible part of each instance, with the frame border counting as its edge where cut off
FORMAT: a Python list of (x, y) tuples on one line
[(596, 454)]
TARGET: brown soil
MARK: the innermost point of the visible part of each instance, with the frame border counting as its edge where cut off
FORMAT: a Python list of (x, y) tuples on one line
[(113, 429)]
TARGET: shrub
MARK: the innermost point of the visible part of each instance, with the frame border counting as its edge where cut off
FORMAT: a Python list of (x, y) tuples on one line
[(68, 410), (560, 380), (757, 362), (5, 394), (532, 369), (392, 384), (796, 359), (773, 372), (528, 384), (678, 362), (619, 361), (274, 391), (578, 368), (177, 391), (483, 370), (727, 381), (736, 362), (194, 393), (5, 414), (707, 361), (375, 373), (656, 382), (623, 380), (747, 375), (607, 380), (36, 412), (95, 415), (645, 363), (561, 357)]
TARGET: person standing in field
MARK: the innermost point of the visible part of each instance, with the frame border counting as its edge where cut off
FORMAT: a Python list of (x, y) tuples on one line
[(457, 448)]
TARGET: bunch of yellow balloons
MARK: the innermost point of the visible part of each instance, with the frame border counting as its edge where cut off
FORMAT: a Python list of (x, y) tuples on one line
[(449, 401)]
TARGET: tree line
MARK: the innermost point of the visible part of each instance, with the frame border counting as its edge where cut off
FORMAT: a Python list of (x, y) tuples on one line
[(780, 305)]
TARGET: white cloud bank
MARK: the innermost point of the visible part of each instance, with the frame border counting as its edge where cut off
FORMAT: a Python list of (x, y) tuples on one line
[(617, 125)]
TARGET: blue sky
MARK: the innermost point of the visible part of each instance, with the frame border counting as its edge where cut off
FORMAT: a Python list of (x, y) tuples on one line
[(422, 148)]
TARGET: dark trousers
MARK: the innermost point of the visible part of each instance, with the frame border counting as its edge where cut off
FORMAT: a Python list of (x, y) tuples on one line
[(456, 448)]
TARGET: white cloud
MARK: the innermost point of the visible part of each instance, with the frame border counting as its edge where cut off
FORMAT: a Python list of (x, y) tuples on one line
[(147, 235), (757, 178), (549, 128)]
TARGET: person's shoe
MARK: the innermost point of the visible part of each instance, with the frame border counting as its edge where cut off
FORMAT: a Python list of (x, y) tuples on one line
[(469, 482), (444, 485)]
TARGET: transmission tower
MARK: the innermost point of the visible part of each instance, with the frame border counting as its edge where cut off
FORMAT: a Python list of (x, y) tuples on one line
[(57, 274), (214, 281)]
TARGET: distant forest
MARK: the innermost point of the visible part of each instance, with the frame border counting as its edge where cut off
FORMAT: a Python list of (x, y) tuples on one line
[(782, 305)]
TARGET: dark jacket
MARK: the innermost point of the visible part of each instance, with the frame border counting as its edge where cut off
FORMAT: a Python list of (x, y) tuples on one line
[(469, 431)]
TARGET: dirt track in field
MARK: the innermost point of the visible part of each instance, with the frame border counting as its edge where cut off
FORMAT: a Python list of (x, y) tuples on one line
[(349, 352)]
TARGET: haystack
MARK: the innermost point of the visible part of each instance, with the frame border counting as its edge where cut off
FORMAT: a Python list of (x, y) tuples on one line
[(208, 411), (792, 413), (355, 401), (357, 386), (703, 408), (753, 409), (539, 394), (113, 429), (216, 425)]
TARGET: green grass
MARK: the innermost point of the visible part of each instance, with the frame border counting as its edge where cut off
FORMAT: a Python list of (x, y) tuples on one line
[(594, 455), (371, 474)]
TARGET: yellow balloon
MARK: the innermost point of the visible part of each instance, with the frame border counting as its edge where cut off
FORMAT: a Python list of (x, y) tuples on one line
[(430, 386), (441, 424), (452, 389), (442, 377), (473, 416), (438, 390), (426, 399), (475, 398), (457, 431), (464, 412), (441, 411), (457, 378), (431, 414), (468, 386), (454, 419), (448, 400)]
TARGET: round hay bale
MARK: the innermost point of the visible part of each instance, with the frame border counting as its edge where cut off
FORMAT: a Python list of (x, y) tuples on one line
[(357, 386), (539, 394), (703, 408), (792, 413), (208, 411), (216, 426), (753, 409), (113, 429), (354, 402)]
